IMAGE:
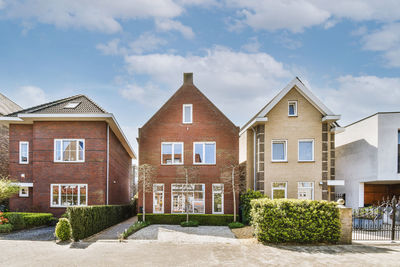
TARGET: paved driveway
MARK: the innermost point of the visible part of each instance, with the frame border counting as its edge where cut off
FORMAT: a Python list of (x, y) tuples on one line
[(35, 234)]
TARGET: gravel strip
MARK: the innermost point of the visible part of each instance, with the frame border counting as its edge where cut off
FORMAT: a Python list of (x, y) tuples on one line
[(35, 234)]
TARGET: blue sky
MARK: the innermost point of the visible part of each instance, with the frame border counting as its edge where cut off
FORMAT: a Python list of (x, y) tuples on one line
[(129, 56)]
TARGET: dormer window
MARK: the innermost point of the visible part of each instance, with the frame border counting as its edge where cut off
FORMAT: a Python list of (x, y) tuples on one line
[(72, 105), (292, 108), (187, 113)]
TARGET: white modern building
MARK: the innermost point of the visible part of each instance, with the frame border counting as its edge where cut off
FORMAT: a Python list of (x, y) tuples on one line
[(368, 159)]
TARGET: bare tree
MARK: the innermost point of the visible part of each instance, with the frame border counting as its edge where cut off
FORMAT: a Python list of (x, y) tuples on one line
[(190, 176), (231, 173), (147, 177)]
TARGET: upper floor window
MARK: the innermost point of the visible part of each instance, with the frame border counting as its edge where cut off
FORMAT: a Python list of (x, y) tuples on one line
[(292, 108), (306, 150), (171, 153), (187, 113), (69, 150), (23, 152), (279, 150), (204, 152)]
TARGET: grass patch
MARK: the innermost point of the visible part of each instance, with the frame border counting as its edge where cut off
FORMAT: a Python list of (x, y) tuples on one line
[(132, 229), (190, 224), (235, 225)]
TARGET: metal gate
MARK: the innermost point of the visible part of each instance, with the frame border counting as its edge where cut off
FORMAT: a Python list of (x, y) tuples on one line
[(381, 222)]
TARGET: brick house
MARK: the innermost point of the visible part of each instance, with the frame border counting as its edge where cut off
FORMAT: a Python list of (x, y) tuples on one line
[(187, 131), (289, 146), (6, 106), (69, 152)]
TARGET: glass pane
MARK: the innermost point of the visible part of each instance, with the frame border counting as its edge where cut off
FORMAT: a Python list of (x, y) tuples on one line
[(74, 195), (198, 187), (166, 153), (187, 112), (278, 151), (198, 196), (278, 193), (81, 149), (82, 198), (198, 207), (178, 153), (280, 185), (198, 153), (217, 202), (210, 153), (292, 110), (55, 195), (305, 150), (158, 202), (64, 195)]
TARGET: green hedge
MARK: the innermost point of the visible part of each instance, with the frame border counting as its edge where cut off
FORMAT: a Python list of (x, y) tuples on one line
[(30, 219), (245, 205), (203, 219), (89, 220), (295, 221), (6, 228)]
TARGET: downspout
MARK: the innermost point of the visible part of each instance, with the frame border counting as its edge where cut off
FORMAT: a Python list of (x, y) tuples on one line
[(108, 159), (254, 156)]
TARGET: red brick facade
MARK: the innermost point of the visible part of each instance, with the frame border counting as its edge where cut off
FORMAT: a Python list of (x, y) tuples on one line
[(209, 124), (42, 171)]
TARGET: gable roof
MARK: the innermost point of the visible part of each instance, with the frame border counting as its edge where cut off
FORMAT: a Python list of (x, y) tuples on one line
[(86, 105), (7, 105), (304, 91)]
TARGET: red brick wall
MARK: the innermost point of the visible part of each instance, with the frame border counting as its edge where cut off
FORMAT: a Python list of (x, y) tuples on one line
[(166, 125), (120, 172)]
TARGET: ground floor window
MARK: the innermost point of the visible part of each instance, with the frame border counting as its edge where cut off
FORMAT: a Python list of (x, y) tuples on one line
[(218, 198), (24, 191), (158, 198), (64, 195), (306, 190), (279, 190), (195, 198)]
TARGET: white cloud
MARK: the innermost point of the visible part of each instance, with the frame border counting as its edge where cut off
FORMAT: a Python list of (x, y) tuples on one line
[(28, 96), (231, 79), (100, 15), (360, 96), (172, 25), (252, 46), (111, 48)]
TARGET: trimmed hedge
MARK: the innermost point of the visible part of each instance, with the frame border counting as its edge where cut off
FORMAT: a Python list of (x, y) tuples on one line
[(63, 230), (190, 224), (295, 221), (31, 219), (6, 228), (245, 205), (203, 219), (89, 220)]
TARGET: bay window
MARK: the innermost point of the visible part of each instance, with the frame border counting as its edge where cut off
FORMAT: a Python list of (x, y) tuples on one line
[(65, 195), (69, 150), (171, 153), (204, 152), (195, 198)]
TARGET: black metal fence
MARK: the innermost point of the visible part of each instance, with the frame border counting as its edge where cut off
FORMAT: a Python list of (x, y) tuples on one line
[(381, 222)]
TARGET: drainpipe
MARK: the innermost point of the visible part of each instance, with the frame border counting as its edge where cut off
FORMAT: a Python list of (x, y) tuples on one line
[(108, 158), (254, 156)]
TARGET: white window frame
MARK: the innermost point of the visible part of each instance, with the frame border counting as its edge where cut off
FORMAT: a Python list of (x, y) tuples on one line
[(222, 198), (173, 153), (27, 152), (21, 194), (298, 150), (272, 149), (59, 195), (204, 153), (312, 187), (183, 191), (77, 150), (291, 102), (272, 188), (191, 113), (163, 194)]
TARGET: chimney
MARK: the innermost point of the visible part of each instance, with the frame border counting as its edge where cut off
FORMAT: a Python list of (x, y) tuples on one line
[(188, 78)]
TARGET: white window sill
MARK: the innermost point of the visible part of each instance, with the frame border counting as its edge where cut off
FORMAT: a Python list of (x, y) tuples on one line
[(24, 163), (279, 161), (169, 164), (306, 161), (292, 115), (69, 161), (63, 207), (187, 122), (24, 196), (209, 164)]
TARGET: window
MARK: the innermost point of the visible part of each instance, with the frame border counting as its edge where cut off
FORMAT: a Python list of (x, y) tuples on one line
[(195, 195), (69, 150), (64, 195), (279, 190), (204, 153), (306, 190), (279, 148), (187, 113), (218, 198), (158, 198), (171, 153), (72, 105), (306, 150), (23, 152), (292, 108), (24, 191)]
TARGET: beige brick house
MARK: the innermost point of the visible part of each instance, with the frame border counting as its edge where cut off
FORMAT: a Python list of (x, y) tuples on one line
[(289, 146)]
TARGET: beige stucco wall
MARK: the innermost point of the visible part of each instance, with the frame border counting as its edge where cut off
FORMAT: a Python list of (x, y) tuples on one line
[(307, 125)]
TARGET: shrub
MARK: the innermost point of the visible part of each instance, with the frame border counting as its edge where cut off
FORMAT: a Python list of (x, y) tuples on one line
[(132, 229), (295, 221), (32, 219), (89, 220), (17, 221), (234, 225), (63, 230), (190, 224), (245, 205), (203, 219), (6, 228)]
